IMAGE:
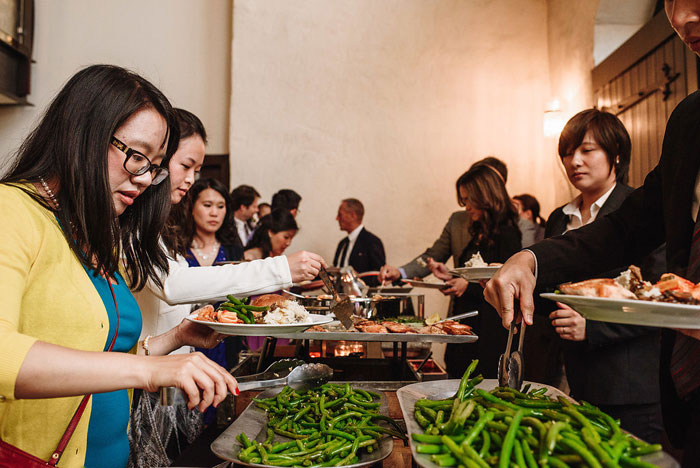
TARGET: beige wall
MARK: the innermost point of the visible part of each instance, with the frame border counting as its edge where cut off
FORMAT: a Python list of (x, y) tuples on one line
[(182, 46), (389, 102)]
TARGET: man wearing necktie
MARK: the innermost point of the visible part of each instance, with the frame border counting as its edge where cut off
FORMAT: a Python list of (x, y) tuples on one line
[(244, 200), (361, 249), (664, 208)]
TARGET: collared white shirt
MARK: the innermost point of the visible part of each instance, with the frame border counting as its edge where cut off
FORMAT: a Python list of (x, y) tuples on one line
[(351, 245), (574, 213), (243, 230)]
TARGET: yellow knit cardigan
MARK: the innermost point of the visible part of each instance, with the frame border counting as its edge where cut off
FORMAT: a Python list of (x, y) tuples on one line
[(45, 294)]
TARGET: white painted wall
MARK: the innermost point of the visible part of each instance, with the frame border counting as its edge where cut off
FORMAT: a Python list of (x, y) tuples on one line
[(182, 46)]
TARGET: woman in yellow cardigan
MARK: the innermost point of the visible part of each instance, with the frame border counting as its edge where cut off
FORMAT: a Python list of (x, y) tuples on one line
[(84, 196)]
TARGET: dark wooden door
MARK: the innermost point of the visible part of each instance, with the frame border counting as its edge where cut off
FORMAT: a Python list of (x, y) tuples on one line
[(642, 82), (216, 166)]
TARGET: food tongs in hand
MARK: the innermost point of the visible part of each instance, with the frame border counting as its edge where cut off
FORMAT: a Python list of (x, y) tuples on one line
[(341, 308), (511, 365)]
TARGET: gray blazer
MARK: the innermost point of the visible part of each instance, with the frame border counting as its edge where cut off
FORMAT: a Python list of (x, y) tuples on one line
[(454, 238)]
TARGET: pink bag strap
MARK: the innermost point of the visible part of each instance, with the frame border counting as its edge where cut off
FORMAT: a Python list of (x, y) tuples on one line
[(53, 461)]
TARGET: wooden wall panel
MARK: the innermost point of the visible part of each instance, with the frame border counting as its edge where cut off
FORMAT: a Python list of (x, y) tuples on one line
[(644, 113)]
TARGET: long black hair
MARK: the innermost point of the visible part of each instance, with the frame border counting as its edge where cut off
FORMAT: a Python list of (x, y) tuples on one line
[(486, 192), (70, 146), (278, 220), (173, 234), (227, 232)]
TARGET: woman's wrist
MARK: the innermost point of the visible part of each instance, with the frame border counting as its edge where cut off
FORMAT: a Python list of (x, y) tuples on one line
[(162, 344)]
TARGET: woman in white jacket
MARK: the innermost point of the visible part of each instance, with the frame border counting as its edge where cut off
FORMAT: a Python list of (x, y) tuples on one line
[(164, 307)]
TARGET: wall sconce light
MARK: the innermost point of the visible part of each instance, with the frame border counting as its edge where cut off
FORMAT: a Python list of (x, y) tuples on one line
[(553, 122)]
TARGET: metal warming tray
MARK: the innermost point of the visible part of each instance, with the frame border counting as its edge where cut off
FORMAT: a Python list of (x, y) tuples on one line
[(379, 337), (253, 422), (440, 389)]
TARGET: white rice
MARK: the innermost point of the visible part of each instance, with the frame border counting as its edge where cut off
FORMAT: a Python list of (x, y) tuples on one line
[(288, 312)]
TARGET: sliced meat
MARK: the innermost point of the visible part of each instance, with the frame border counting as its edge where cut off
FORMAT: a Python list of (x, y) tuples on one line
[(432, 330), (395, 327), (316, 328), (369, 326), (598, 287), (454, 328)]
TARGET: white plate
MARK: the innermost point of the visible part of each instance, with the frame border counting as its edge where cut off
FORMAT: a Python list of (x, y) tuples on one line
[(440, 389), (425, 284), (259, 329), (632, 311), (475, 273)]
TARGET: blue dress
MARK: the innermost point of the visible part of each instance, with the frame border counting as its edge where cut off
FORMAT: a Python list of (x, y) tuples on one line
[(107, 442)]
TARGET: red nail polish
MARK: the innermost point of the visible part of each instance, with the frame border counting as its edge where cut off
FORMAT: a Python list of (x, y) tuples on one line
[(238, 392)]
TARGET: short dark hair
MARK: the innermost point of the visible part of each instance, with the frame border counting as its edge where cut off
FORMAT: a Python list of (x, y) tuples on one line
[(278, 220), (227, 232), (607, 130), (243, 195), (355, 205), (287, 199), (494, 163), (190, 125), (70, 145)]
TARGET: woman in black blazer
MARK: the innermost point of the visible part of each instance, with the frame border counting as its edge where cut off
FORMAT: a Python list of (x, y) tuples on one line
[(495, 235), (615, 367)]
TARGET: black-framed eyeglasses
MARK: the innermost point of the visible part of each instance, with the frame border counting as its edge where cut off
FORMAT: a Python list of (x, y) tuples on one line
[(137, 163)]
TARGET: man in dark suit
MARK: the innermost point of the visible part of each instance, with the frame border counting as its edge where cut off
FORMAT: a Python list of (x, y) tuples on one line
[(244, 200), (664, 208), (361, 249)]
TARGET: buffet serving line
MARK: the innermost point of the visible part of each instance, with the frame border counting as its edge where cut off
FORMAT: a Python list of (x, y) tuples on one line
[(313, 416)]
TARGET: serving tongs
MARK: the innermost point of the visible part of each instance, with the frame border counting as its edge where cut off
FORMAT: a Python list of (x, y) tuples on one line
[(341, 308), (276, 370), (511, 365)]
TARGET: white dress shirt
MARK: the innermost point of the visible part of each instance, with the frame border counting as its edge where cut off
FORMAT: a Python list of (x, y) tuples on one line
[(243, 230), (352, 237), (572, 210)]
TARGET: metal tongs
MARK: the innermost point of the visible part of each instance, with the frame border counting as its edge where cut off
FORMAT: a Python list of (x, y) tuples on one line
[(511, 365), (341, 308)]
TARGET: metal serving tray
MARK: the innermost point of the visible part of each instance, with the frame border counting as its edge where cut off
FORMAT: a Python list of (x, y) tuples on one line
[(253, 421), (441, 389), (382, 337)]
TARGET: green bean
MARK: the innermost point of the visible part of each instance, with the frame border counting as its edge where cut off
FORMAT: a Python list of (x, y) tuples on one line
[(477, 428), (518, 453), (485, 445), (529, 455), (508, 441), (555, 462), (645, 450), (444, 460), (634, 462), (430, 448), (582, 451)]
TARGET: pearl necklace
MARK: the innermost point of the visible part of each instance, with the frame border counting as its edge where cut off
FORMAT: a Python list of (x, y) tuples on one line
[(214, 250), (50, 193)]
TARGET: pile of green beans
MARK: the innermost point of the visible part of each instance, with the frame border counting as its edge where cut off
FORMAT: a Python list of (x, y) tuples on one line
[(527, 429), (243, 310), (324, 426)]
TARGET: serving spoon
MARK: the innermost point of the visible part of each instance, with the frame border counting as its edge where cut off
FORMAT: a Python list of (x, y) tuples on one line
[(302, 377)]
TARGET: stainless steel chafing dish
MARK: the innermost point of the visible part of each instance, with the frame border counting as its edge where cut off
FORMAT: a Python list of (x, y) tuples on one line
[(385, 304)]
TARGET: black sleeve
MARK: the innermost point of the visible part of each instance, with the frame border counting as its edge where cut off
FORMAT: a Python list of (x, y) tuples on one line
[(376, 255)]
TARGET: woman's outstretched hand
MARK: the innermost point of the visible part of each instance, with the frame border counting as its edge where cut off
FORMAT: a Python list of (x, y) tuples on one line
[(205, 382)]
